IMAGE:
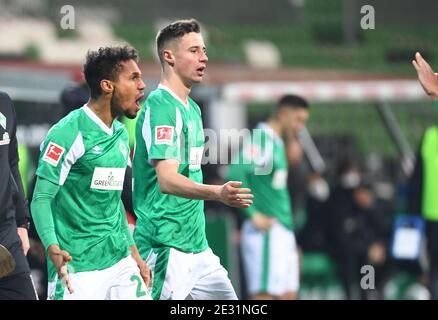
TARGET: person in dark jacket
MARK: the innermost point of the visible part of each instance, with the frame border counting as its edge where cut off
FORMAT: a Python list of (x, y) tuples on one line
[(358, 231), (15, 283)]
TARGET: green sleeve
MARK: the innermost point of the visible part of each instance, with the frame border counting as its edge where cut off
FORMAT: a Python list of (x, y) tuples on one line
[(125, 225), (164, 125), (60, 141), (41, 209), (436, 104)]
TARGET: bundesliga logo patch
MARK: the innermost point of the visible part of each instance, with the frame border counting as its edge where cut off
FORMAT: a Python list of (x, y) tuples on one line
[(163, 135), (53, 154)]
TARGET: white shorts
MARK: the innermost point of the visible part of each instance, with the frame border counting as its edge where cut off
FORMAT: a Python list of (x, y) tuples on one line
[(122, 281), (270, 259), (188, 276)]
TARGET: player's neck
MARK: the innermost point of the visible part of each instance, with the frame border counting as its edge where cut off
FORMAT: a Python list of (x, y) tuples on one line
[(100, 108), (174, 83), (275, 126)]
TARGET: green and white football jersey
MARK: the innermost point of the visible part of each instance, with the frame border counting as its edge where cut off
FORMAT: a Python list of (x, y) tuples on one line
[(271, 196), (168, 129), (88, 161)]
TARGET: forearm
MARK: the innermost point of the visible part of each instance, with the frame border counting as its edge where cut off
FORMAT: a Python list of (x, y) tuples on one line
[(24, 237), (41, 209), (172, 182), (135, 254), (125, 226), (176, 184)]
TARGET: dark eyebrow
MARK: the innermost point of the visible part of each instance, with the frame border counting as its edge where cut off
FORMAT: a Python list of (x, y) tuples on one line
[(135, 73)]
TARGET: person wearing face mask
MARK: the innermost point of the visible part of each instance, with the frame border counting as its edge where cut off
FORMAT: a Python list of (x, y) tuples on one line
[(313, 236), (341, 198), (350, 179), (358, 232), (318, 188), (340, 209)]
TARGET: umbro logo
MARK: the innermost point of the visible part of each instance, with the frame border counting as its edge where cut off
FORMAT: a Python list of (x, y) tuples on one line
[(97, 150)]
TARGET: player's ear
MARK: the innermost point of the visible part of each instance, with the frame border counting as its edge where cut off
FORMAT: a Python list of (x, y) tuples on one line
[(106, 86), (168, 57)]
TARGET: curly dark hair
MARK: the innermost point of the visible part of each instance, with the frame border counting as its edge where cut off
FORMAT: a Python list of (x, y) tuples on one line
[(105, 64), (175, 30)]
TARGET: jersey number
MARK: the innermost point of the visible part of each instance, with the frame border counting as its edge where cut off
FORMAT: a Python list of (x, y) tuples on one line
[(140, 292)]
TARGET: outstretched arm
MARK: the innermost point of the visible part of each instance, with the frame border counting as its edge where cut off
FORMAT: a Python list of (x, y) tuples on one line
[(172, 182)]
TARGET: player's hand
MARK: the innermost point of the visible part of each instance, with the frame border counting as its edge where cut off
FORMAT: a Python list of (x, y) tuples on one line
[(22, 233), (377, 253), (233, 196), (145, 273), (60, 258), (427, 77), (262, 222)]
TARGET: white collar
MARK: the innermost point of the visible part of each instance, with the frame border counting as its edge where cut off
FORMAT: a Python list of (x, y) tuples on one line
[(162, 86), (97, 120)]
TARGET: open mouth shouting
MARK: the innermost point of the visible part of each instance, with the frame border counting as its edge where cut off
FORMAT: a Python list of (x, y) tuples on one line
[(201, 71), (139, 99)]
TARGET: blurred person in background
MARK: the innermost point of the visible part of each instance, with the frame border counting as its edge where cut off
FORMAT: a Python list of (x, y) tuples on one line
[(358, 232), (268, 244), (313, 236), (298, 174), (76, 95), (15, 282)]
